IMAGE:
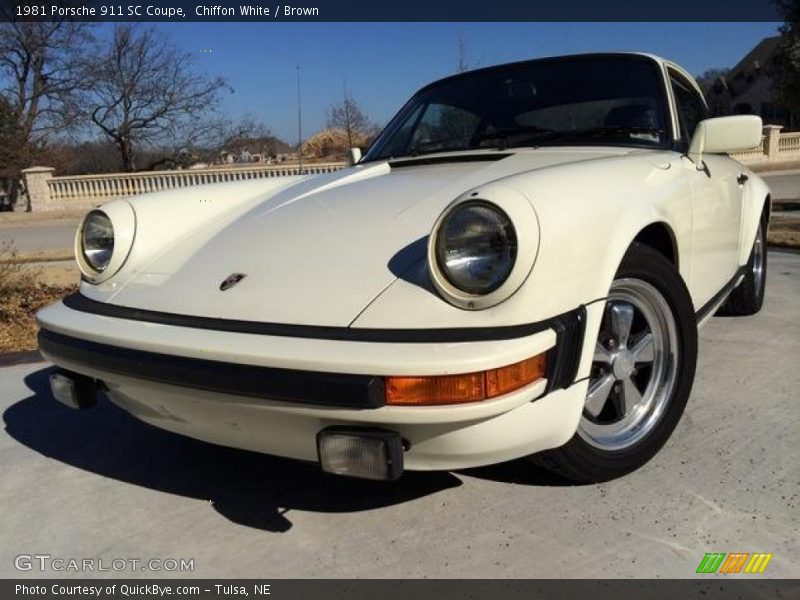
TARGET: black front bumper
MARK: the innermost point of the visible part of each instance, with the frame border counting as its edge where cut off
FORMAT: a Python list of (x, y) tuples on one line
[(288, 385)]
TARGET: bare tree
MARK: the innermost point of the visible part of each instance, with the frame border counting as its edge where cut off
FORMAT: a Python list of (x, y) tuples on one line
[(787, 82), (349, 117), (41, 79), (146, 93), (92, 157), (181, 142), (709, 78), (463, 64), (10, 146), (251, 135)]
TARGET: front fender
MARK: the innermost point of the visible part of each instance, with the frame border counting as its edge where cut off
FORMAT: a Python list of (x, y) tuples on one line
[(588, 216)]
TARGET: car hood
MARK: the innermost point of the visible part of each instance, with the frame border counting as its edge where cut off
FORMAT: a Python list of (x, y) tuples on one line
[(320, 251)]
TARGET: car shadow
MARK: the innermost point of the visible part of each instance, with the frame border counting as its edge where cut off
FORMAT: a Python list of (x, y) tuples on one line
[(248, 488), (519, 472)]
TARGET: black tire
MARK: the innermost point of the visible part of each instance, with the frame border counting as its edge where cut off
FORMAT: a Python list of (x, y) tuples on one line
[(748, 297), (585, 462)]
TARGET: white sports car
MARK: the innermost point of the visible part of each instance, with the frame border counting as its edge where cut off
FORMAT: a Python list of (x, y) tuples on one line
[(516, 267)]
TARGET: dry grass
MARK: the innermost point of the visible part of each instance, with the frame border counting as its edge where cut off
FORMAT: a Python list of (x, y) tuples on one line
[(22, 293), (39, 257), (785, 231)]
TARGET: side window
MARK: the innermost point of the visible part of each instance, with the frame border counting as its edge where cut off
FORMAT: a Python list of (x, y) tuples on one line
[(399, 141), (691, 108)]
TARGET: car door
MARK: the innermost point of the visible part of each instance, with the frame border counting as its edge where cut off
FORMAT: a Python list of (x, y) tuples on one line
[(716, 201)]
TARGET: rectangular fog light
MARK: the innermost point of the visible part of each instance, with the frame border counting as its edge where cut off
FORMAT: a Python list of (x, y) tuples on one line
[(76, 391), (365, 453)]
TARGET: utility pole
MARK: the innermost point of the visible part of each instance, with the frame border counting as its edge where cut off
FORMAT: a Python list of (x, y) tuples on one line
[(299, 125)]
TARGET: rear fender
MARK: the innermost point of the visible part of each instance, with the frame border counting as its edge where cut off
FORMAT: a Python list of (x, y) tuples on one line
[(754, 198)]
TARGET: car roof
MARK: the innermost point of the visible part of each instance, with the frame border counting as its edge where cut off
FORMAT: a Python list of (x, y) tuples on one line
[(653, 57)]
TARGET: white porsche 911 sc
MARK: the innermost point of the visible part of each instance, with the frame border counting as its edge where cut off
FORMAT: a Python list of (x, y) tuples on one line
[(516, 267)]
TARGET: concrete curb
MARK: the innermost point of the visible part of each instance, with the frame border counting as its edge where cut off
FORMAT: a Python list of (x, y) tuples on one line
[(20, 358)]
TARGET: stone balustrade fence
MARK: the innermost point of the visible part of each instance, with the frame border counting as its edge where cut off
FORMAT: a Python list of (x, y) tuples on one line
[(47, 192), (789, 142), (775, 148)]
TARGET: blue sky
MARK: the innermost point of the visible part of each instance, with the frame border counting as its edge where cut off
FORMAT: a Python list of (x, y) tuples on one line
[(384, 63)]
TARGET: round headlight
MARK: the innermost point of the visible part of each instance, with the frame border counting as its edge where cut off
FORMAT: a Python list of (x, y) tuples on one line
[(97, 240), (476, 247)]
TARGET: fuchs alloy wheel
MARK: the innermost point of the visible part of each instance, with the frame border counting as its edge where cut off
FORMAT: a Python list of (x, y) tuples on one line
[(634, 369), (748, 297), (641, 375)]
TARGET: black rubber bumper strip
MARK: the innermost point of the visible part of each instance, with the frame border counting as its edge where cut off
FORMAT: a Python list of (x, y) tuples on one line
[(563, 359), (438, 335), (287, 385)]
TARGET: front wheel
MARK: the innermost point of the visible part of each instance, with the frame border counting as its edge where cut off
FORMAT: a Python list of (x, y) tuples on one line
[(641, 374)]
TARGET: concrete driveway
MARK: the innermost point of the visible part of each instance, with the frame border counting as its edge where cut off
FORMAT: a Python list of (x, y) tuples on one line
[(785, 185), (102, 485), (45, 235)]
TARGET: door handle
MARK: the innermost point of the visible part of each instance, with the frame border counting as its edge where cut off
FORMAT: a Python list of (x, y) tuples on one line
[(742, 179)]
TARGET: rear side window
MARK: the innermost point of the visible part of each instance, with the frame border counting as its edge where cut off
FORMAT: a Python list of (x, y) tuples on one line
[(691, 108)]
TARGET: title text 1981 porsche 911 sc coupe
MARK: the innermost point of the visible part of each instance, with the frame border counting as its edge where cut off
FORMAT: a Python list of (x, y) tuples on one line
[(516, 267)]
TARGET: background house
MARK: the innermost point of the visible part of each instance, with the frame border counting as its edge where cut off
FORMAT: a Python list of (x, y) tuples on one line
[(748, 88)]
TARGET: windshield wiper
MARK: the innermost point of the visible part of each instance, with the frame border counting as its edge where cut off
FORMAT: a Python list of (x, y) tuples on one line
[(504, 134), (432, 148), (606, 132), (533, 136)]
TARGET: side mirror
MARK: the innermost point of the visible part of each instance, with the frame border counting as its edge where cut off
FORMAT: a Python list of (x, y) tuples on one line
[(353, 156), (725, 134)]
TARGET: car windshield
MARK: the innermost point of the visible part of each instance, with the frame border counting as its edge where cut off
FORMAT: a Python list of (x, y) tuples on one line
[(595, 100)]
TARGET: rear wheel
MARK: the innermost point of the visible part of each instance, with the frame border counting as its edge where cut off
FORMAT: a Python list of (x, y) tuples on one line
[(641, 375), (748, 297)]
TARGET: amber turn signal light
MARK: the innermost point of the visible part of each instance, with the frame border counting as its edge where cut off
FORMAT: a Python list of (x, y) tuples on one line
[(467, 387)]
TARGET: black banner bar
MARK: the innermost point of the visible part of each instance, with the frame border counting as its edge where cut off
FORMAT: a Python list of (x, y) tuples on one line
[(404, 10), (706, 587)]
